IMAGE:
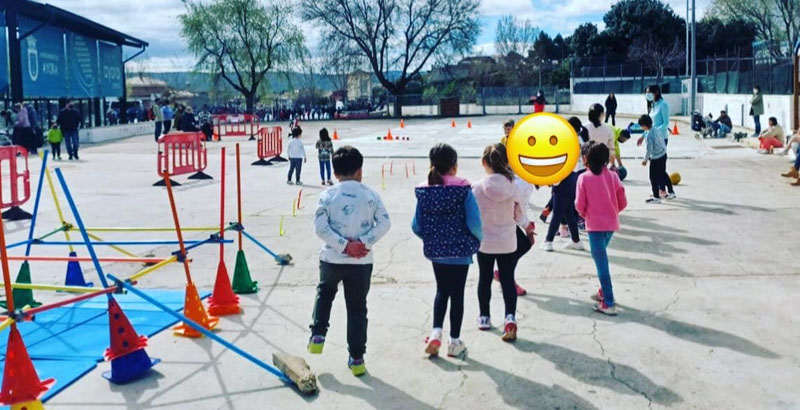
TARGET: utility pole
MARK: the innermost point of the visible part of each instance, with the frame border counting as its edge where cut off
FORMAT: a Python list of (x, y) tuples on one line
[(687, 38), (694, 59)]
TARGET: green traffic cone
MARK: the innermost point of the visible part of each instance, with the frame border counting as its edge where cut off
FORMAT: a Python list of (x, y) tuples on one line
[(242, 283), (23, 297)]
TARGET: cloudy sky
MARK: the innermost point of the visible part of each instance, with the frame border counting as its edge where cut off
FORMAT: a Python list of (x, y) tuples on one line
[(155, 21)]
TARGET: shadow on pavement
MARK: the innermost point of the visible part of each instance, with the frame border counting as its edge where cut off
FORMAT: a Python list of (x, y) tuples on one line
[(377, 393), (600, 372), (682, 330)]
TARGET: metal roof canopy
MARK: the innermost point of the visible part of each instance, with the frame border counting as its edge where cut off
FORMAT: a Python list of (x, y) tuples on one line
[(55, 16)]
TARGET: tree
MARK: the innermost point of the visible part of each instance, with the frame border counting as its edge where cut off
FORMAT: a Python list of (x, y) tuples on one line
[(339, 58), (656, 55), (716, 37), (584, 41), (651, 21), (514, 35), (241, 40), (774, 20), (398, 35)]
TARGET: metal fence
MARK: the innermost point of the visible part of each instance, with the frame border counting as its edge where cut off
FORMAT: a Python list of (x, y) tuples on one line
[(486, 100), (723, 75)]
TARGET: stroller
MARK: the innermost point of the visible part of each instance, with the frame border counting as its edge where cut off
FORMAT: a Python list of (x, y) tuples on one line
[(702, 125)]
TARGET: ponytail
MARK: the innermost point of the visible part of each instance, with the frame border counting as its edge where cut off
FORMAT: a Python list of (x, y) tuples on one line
[(496, 158), (594, 114), (443, 158)]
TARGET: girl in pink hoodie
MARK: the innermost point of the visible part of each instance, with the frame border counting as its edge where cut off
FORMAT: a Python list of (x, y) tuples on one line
[(600, 198), (497, 200)]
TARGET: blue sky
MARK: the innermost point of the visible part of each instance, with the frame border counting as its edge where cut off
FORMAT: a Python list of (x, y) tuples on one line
[(155, 21)]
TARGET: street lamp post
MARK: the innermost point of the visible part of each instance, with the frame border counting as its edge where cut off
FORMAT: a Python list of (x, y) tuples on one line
[(694, 59)]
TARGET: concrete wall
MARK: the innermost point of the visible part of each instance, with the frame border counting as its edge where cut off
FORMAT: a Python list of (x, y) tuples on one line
[(476, 109), (633, 104), (115, 132), (738, 108)]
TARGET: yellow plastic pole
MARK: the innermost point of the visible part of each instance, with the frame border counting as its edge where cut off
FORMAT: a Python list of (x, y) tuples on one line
[(6, 323), (192, 229), (57, 288), (153, 268), (281, 232), (58, 206), (294, 207)]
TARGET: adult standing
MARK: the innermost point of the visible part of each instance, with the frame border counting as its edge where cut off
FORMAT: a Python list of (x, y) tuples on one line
[(206, 121), (69, 120), (166, 112), (611, 109), (159, 119), (187, 122), (22, 134), (36, 128), (757, 108)]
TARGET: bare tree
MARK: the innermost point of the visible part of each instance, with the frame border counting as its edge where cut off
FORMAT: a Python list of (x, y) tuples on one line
[(515, 35), (768, 16), (656, 55), (398, 35), (339, 58)]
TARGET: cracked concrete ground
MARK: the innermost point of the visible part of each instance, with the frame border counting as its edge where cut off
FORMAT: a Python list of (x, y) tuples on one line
[(705, 285)]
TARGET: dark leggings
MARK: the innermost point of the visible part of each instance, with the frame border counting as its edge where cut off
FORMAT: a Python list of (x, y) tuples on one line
[(564, 207), (506, 264), (658, 175), (450, 283)]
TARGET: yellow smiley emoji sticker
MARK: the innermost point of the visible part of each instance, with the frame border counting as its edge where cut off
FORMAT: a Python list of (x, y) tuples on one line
[(543, 149)]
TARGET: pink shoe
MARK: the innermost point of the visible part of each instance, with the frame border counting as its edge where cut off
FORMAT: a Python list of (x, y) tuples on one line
[(520, 290), (497, 275), (597, 297)]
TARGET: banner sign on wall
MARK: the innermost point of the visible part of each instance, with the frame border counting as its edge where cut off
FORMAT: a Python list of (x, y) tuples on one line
[(83, 76), (43, 64), (110, 70)]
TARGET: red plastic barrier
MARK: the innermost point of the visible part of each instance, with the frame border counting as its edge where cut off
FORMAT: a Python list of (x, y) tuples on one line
[(270, 144), (15, 182), (244, 125), (182, 153)]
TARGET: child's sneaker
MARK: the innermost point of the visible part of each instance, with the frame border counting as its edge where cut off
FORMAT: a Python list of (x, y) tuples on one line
[(605, 309), (433, 346), (299, 183), (496, 275), (510, 330), (456, 348), (597, 297), (357, 366), (543, 216), (662, 193), (287, 182), (672, 195), (563, 232), (652, 200), (315, 344), (520, 290), (546, 246), (484, 323), (576, 246)]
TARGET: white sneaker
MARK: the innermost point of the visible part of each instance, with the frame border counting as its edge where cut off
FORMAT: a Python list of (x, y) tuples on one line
[(546, 246), (484, 323), (456, 348), (672, 196), (576, 246), (653, 200)]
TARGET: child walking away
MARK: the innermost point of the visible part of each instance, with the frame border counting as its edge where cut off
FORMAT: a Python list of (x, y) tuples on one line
[(448, 221), (657, 155), (54, 137), (350, 219), (297, 156), (324, 150), (496, 197), (600, 198)]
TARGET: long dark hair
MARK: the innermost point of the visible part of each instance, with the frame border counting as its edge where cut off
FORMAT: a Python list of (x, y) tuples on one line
[(578, 127), (323, 135), (597, 158), (443, 158), (594, 114), (495, 157), (656, 90)]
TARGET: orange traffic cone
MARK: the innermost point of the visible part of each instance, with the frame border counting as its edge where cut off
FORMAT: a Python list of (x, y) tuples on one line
[(469, 124), (402, 123), (389, 136), (21, 385), (453, 123), (194, 310), (223, 301), (335, 135), (675, 129)]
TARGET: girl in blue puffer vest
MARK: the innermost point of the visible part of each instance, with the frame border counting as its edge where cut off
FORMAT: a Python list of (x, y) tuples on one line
[(448, 221)]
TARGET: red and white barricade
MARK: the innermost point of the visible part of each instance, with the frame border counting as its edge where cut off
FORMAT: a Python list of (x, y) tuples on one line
[(270, 144), (15, 182), (242, 125), (182, 153)]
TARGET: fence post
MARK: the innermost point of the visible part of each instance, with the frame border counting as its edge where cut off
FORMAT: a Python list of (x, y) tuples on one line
[(558, 99), (483, 99), (519, 101), (727, 73)]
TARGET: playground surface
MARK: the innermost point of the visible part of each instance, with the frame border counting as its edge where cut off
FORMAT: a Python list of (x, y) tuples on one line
[(703, 282)]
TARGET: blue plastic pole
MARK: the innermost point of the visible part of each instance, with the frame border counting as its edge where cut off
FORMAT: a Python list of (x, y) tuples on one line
[(260, 245), (36, 204), (119, 243), (82, 229), (204, 331)]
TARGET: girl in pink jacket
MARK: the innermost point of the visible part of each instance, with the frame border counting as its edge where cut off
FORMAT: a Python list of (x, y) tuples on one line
[(497, 200), (600, 198)]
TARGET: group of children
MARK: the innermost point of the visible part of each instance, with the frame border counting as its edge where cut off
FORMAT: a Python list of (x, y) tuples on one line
[(297, 156), (457, 223)]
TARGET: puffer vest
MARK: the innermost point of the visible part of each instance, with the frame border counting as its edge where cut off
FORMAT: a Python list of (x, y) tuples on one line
[(442, 217)]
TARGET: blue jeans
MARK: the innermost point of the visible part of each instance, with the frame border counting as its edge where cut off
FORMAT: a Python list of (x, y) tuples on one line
[(598, 241), (295, 164), (564, 207), (71, 141), (721, 129), (325, 166), (757, 120), (797, 161)]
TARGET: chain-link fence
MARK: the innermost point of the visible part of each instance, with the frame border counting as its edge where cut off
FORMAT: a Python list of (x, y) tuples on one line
[(486, 100)]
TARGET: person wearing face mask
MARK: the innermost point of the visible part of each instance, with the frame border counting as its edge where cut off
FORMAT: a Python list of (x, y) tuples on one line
[(658, 111), (757, 109)]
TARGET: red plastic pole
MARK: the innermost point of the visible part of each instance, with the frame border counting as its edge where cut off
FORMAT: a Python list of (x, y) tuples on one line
[(177, 227), (6, 274), (222, 208), (69, 301), (239, 192)]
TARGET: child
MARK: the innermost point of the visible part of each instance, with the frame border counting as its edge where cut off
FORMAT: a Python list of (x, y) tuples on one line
[(324, 150), (350, 219), (54, 137), (657, 155), (600, 198), (448, 221), (508, 126), (297, 156), (496, 196)]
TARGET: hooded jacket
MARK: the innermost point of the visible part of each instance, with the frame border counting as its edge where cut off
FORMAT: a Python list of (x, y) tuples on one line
[(497, 201)]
